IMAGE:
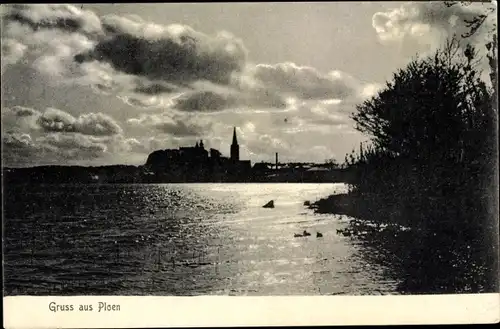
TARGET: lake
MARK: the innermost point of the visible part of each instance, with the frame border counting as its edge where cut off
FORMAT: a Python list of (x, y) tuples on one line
[(181, 239)]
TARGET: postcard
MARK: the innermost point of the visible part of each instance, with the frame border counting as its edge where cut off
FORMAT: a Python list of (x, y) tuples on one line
[(249, 164)]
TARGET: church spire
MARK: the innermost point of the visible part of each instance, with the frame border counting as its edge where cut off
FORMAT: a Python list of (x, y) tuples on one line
[(235, 148), (235, 140)]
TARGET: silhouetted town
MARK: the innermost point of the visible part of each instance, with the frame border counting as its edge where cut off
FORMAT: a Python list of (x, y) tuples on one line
[(183, 165)]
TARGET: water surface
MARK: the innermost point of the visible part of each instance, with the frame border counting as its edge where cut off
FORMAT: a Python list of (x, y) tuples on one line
[(180, 239)]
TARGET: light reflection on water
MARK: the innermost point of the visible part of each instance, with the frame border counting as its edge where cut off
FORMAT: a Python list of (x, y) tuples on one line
[(180, 239)]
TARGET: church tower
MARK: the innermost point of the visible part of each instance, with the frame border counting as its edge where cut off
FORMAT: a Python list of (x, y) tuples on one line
[(235, 148)]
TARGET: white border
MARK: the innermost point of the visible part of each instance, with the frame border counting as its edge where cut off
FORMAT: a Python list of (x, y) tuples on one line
[(33, 312)]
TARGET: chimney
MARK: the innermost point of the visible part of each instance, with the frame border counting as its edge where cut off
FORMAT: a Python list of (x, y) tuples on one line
[(276, 160)]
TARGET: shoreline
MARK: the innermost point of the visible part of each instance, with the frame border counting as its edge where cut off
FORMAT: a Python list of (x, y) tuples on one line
[(422, 253), (172, 182)]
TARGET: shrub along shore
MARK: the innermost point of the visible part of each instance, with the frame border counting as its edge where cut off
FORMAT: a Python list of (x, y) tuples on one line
[(424, 190)]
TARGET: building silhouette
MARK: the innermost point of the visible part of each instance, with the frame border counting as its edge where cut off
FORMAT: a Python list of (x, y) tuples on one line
[(185, 164), (194, 163)]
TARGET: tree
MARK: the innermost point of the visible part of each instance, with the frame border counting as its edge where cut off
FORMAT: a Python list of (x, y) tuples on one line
[(476, 22), (431, 162), (332, 163), (428, 106)]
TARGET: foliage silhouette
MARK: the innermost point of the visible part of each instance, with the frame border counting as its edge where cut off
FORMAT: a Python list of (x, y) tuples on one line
[(431, 165)]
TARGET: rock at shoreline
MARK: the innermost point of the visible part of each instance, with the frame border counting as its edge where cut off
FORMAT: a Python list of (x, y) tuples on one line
[(341, 204), (270, 204)]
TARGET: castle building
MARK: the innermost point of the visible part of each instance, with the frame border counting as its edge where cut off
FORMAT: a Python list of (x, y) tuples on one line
[(192, 154), (235, 148), (194, 163)]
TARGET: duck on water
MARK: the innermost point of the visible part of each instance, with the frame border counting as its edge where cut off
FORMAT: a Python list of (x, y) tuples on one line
[(305, 233)]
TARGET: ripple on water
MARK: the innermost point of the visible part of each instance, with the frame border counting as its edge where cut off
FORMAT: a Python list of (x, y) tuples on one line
[(175, 239)]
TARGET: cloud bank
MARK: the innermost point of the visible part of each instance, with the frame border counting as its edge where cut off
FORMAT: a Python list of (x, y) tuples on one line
[(146, 63), (182, 85)]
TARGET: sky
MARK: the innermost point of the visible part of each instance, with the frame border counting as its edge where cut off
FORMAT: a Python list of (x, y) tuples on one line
[(107, 84)]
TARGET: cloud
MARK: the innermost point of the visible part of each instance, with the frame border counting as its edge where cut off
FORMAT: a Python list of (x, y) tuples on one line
[(19, 118), (207, 97), (55, 16), (97, 124), (147, 65), (145, 145), (154, 88), (61, 37), (14, 140), (12, 52), (180, 128), (193, 85), (423, 27), (171, 54), (20, 111), (431, 22), (293, 134), (17, 148), (266, 143), (50, 35), (146, 101), (56, 137), (304, 82), (133, 145), (31, 137), (20, 148), (171, 124), (260, 134), (370, 90), (55, 120), (73, 145), (204, 101)]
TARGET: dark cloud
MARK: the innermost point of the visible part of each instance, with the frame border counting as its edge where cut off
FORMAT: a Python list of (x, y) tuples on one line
[(210, 101), (204, 101), (181, 129), (177, 60), (154, 89), (145, 64), (49, 17), (116, 48), (67, 24), (97, 124)]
